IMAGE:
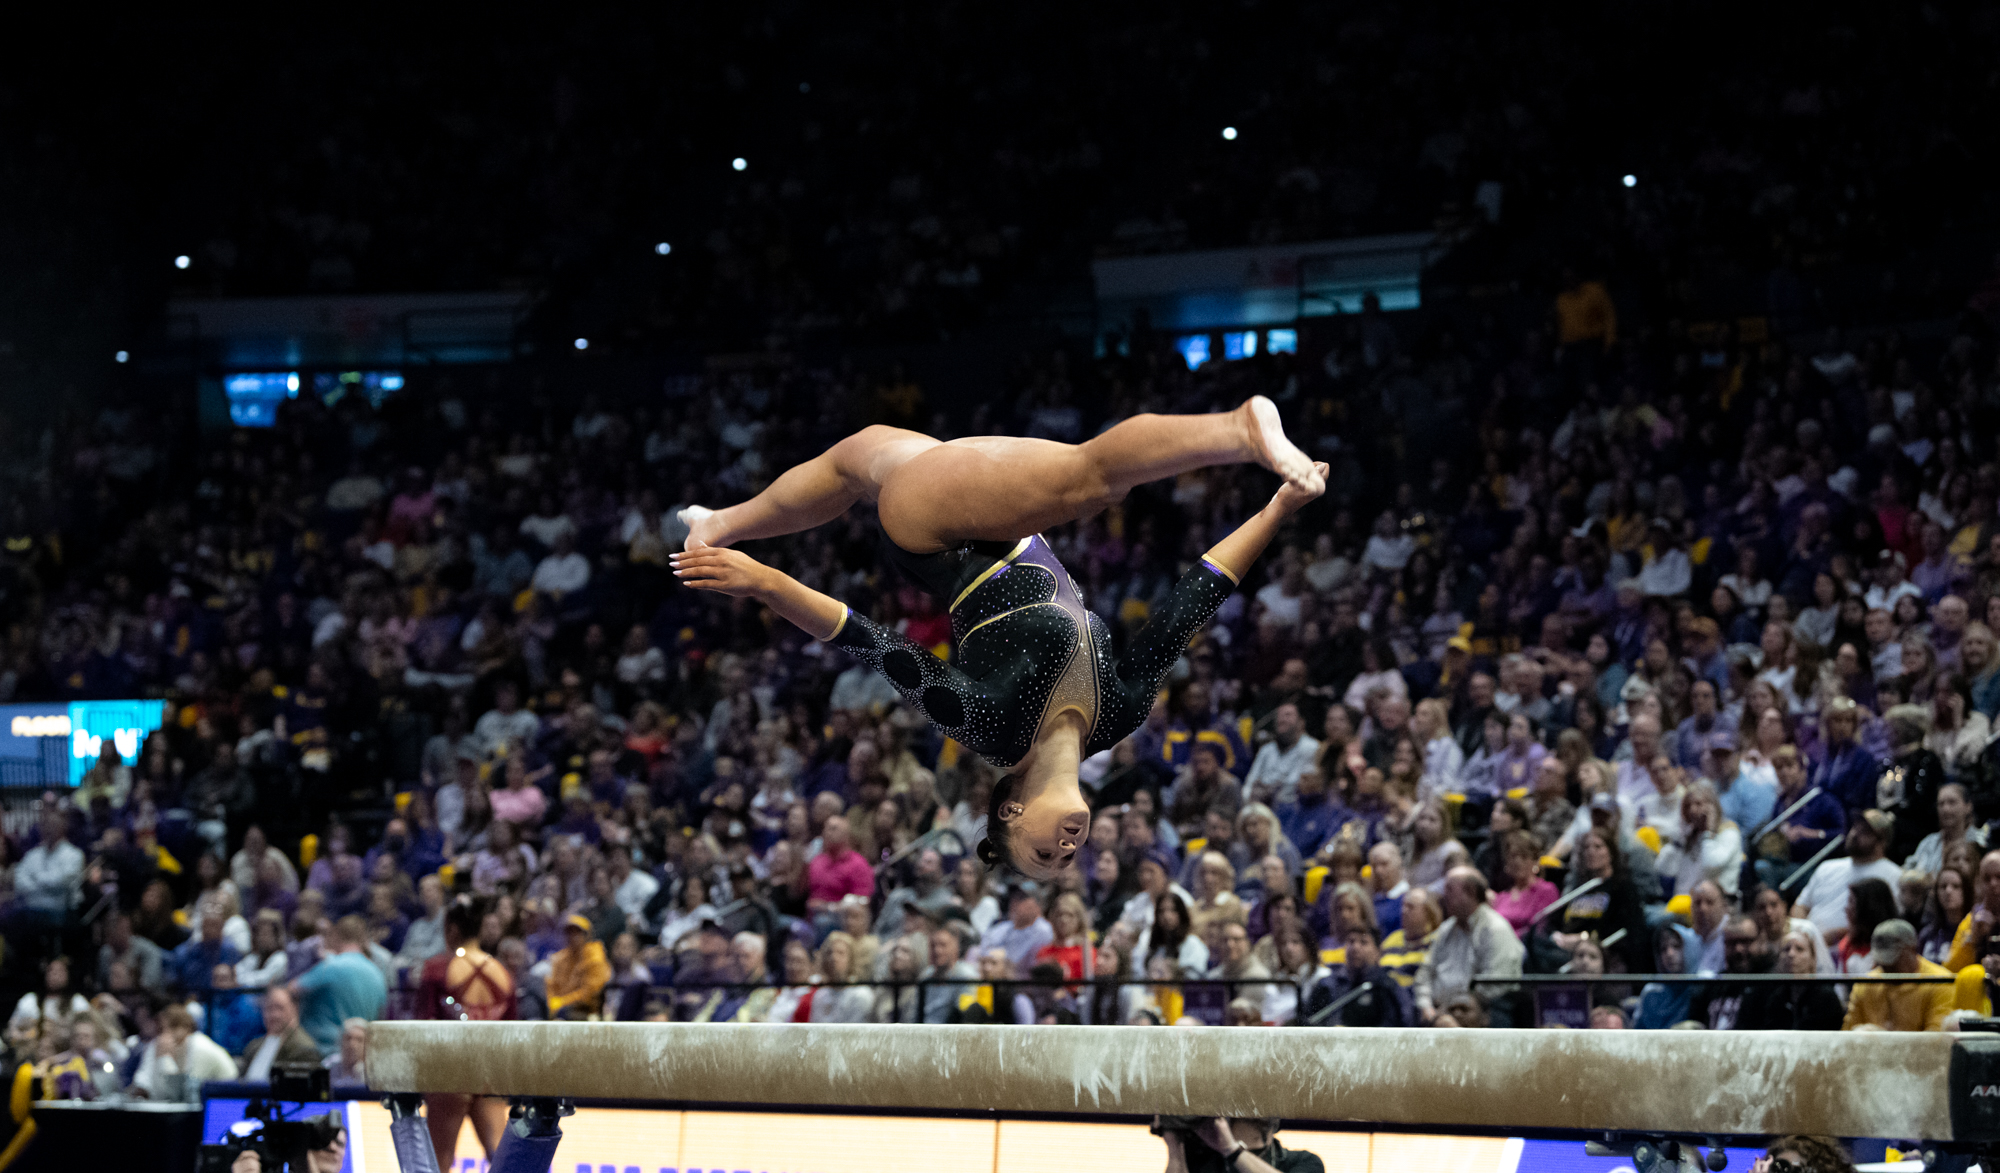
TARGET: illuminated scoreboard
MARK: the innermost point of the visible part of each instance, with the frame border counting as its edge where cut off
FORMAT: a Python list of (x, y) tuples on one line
[(54, 744)]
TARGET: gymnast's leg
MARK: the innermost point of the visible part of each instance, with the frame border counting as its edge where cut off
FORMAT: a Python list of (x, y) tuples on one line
[(998, 488), (489, 1120), (812, 493), (444, 1112)]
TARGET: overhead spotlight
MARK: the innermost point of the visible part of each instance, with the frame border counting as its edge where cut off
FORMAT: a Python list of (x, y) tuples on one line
[(1229, 132), (122, 356), (1631, 181), (183, 261), (583, 344), (739, 163), (663, 248)]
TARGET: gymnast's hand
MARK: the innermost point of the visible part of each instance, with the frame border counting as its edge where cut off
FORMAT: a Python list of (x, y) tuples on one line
[(725, 571), (1291, 498)]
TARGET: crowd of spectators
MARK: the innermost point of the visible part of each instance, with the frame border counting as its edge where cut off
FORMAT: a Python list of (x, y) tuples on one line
[(1702, 638)]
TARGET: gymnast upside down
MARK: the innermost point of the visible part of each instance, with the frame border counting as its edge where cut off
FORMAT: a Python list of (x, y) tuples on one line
[(1034, 687)]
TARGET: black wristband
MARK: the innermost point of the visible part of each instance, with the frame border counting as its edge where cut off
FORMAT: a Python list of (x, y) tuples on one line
[(1230, 1160)]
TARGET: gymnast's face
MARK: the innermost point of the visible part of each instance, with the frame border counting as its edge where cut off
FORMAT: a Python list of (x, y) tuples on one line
[(1049, 824)]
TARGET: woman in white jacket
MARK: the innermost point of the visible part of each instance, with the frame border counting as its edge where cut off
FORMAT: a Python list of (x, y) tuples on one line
[(1709, 847), (57, 1002), (831, 1001), (179, 1060)]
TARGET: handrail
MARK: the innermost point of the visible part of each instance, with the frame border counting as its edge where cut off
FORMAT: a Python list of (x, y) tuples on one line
[(1781, 816), (1805, 869), (1691, 979), (1588, 886), (923, 986)]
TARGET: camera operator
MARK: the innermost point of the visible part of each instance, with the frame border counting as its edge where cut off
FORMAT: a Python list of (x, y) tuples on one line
[(326, 1131), (1237, 1146)]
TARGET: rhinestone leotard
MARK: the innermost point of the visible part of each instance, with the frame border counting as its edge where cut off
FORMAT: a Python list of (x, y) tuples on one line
[(1025, 648)]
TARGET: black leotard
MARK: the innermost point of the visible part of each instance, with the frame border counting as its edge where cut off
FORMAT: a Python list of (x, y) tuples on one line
[(1026, 648)]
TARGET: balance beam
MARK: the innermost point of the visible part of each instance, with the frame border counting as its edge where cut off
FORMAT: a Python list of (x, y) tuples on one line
[(1663, 1082)]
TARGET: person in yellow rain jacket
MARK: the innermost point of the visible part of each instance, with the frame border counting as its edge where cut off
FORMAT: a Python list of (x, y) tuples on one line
[(578, 974)]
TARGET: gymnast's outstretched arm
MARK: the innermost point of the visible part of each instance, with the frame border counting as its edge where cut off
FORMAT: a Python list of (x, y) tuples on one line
[(1199, 593), (942, 692), (1234, 554), (732, 572)]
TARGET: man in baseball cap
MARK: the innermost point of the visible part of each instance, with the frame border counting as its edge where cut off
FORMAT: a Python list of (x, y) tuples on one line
[(1883, 1006), (578, 973)]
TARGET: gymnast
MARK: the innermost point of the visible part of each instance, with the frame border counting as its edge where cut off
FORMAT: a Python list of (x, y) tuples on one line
[(1034, 688)]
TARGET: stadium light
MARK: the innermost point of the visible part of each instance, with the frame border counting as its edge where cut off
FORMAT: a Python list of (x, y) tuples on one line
[(739, 163), (122, 356), (183, 261), (1229, 132), (1631, 181), (663, 248), (583, 344)]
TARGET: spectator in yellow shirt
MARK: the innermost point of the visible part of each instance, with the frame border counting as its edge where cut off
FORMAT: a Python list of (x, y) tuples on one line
[(1584, 313), (577, 974), (1894, 1006)]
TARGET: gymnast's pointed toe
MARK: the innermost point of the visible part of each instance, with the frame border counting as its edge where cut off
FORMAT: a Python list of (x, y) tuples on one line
[(1274, 450), (701, 527)]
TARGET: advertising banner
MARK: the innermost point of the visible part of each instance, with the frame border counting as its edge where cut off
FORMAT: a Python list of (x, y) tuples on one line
[(27, 732), (622, 1140)]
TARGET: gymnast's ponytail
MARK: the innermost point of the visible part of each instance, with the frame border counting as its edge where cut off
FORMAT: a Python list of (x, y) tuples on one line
[(465, 915), (996, 850)]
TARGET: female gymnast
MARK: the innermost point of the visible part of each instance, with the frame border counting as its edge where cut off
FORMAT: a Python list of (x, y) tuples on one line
[(1032, 686), (464, 983)]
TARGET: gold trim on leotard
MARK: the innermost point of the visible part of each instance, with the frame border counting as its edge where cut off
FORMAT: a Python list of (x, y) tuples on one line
[(838, 627), (1234, 578), (1019, 547), (1001, 615)]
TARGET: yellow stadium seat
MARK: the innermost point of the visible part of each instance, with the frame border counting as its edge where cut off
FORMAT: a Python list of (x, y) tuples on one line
[(1550, 861), (1518, 794), (1195, 846), (1650, 836), (1315, 876), (403, 802), (308, 850), (1682, 907), (1970, 991)]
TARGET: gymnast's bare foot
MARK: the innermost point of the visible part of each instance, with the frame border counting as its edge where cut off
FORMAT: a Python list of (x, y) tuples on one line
[(1274, 451), (704, 528)]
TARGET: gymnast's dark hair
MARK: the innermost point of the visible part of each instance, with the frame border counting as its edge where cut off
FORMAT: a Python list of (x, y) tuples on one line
[(466, 914), (997, 849)]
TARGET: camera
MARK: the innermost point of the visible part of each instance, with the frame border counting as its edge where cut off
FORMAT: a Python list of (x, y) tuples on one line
[(279, 1143), (1195, 1151)]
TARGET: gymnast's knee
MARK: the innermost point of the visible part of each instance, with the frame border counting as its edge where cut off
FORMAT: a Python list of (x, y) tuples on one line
[(1092, 483)]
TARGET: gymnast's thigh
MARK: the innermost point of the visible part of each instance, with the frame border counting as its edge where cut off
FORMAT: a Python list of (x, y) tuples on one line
[(987, 488)]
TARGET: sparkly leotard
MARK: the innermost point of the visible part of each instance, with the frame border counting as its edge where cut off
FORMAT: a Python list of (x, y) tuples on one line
[(1026, 648)]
